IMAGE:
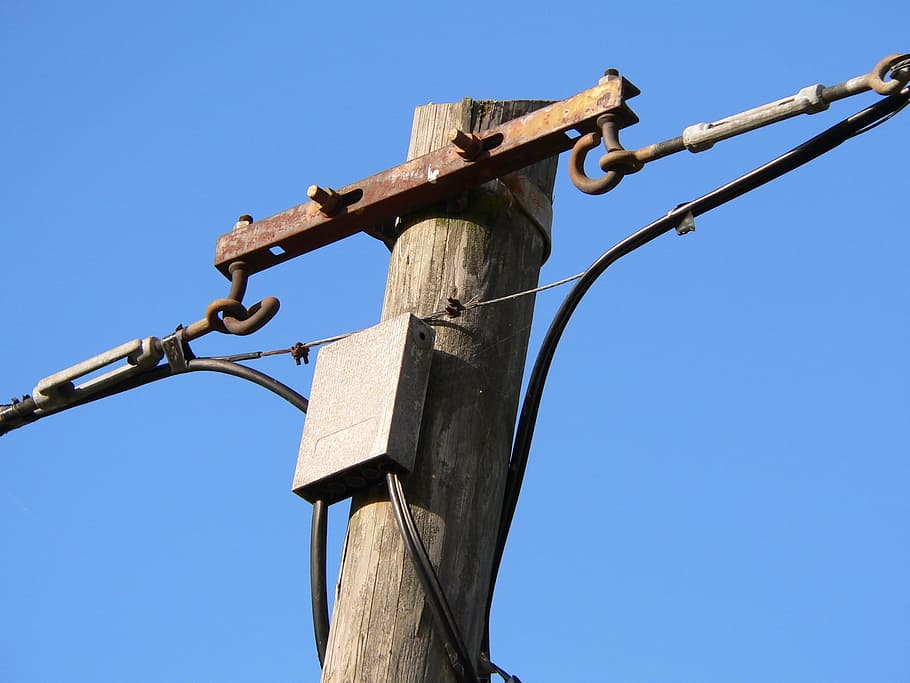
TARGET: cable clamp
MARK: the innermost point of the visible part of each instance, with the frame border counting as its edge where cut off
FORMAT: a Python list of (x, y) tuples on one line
[(686, 225), (454, 308), (176, 350)]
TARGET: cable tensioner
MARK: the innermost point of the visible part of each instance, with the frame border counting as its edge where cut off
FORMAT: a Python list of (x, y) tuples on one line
[(888, 77)]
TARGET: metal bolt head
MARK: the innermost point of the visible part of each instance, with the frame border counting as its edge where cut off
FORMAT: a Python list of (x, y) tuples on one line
[(243, 221), (609, 75)]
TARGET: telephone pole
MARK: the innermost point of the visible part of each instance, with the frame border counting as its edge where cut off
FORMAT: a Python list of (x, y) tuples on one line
[(488, 243)]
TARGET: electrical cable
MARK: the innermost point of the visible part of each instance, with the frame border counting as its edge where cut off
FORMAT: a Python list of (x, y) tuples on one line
[(820, 144), (426, 574), (243, 372), (318, 591), (318, 541), (857, 124)]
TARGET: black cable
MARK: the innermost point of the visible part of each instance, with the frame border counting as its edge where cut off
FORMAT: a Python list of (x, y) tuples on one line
[(820, 144), (426, 574), (319, 524), (26, 411), (162, 371), (318, 591), (237, 370)]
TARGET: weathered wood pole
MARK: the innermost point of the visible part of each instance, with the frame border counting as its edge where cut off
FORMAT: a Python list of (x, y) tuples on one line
[(482, 247)]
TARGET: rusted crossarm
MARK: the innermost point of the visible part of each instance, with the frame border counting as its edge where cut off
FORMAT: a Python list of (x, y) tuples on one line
[(421, 182)]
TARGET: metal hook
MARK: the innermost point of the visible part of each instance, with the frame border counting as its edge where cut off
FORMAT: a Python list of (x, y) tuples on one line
[(897, 65), (616, 163), (242, 321), (235, 318)]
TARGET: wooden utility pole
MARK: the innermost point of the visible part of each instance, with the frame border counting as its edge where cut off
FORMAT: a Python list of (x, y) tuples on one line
[(481, 247)]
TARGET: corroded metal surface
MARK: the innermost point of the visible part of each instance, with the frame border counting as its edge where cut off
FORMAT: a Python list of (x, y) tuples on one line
[(443, 173)]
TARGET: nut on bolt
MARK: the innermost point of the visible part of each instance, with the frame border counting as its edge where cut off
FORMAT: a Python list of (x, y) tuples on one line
[(243, 221), (469, 145), (609, 75), (328, 200)]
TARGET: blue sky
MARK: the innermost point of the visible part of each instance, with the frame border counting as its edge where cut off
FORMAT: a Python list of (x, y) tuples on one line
[(717, 489)]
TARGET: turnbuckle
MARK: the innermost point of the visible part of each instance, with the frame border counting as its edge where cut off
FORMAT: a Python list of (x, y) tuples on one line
[(888, 77), (60, 390)]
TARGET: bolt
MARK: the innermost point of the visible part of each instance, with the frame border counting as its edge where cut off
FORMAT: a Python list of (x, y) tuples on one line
[(328, 200), (609, 75), (243, 221), (469, 145)]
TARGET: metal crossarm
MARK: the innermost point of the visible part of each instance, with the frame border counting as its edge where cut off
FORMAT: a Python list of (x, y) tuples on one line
[(468, 161)]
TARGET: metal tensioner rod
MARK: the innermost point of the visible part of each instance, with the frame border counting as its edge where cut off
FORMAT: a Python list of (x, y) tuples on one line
[(60, 390), (619, 162)]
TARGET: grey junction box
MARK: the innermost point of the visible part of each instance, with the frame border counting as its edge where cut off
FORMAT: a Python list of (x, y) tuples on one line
[(366, 406)]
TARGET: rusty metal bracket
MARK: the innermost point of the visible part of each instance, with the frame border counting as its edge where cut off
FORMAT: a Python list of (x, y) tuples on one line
[(532, 202), (469, 160)]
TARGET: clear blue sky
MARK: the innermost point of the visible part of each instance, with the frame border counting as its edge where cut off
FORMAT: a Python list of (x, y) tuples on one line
[(718, 487)]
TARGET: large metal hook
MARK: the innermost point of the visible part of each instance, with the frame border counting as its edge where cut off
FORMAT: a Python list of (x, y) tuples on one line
[(235, 318), (616, 163)]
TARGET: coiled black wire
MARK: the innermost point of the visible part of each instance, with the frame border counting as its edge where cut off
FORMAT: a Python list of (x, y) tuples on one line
[(857, 124)]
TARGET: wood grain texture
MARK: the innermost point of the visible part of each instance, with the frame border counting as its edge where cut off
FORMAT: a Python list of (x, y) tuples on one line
[(481, 248)]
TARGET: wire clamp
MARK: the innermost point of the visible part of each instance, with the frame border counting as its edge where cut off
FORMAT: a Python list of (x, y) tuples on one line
[(686, 225), (454, 308), (176, 350), (300, 352)]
